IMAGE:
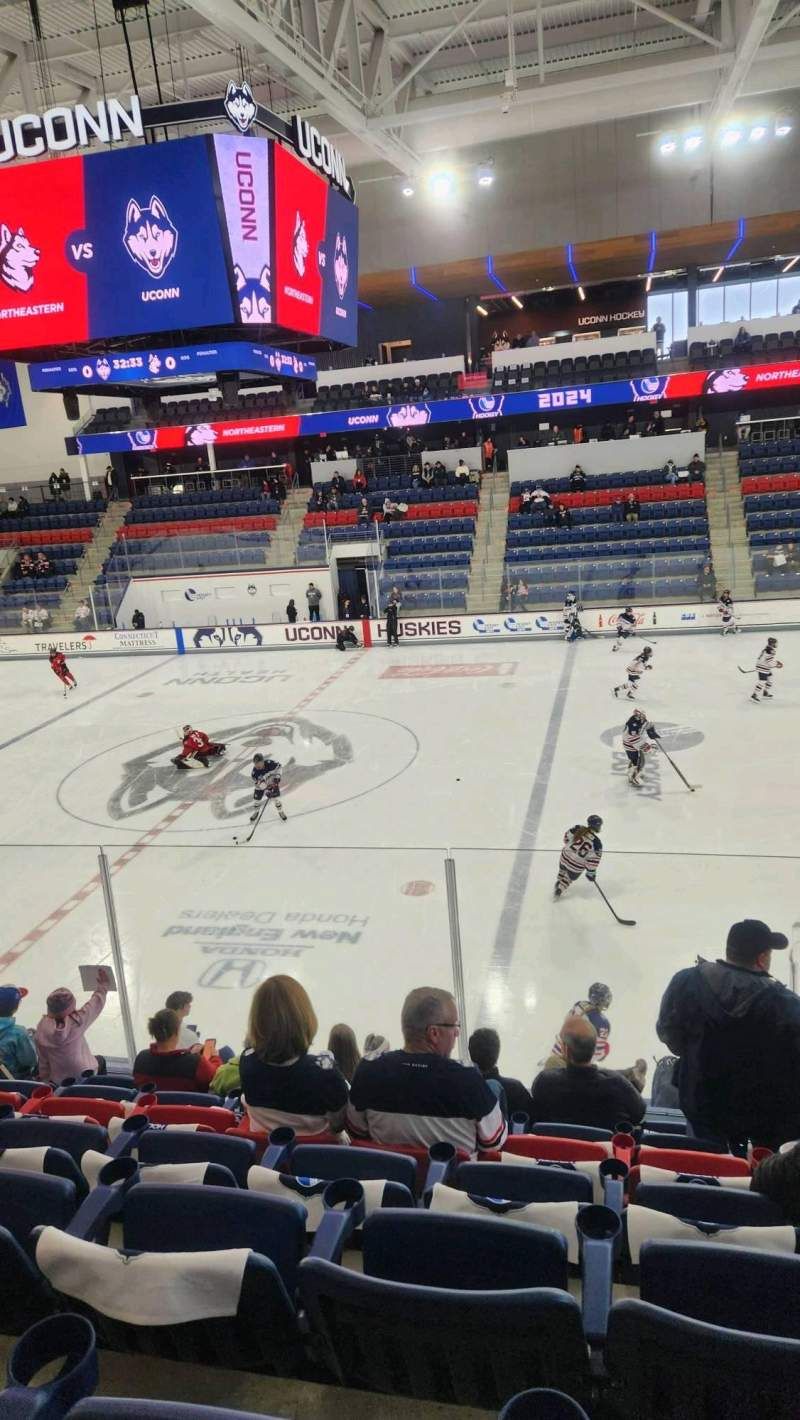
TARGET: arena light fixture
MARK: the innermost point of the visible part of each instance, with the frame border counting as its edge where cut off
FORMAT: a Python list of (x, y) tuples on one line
[(441, 184), (493, 276), (648, 283), (515, 301), (729, 137), (758, 132), (668, 146), (417, 286), (783, 126), (482, 311), (581, 293), (408, 191), (790, 264), (717, 274), (692, 141), (485, 175)]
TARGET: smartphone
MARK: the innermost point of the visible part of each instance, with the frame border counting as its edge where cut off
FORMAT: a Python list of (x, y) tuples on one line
[(209, 1047)]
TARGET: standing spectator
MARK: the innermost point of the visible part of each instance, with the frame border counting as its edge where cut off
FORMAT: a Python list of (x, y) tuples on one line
[(42, 566), (363, 513), (418, 1095), (362, 610), (488, 453), (426, 477), (64, 483), (26, 618), (169, 1066), (137, 620), (23, 506), (701, 424), (83, 615), (484, 1051), (582, 1093), (337, 485), (110, 482), (521, 594), (53, 484), (281, 1082), (291, 611), (523, 442), (391, 623), (181, 1003), (659, 331), (632, 508), (629, 426), (578, 434), (17, 1053), (26, 565), (707, 583), (343, 1046), (737, 1033), (313, 597), (577, 479), (60, 1036)]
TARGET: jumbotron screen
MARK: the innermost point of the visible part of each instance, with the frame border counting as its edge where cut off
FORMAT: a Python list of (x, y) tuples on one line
[(172, 236)]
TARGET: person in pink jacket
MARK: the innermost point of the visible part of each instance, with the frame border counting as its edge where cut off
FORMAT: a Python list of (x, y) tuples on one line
[(60, 1036)]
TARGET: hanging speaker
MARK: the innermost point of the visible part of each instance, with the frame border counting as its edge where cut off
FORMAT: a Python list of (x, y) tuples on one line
[(72, 407)]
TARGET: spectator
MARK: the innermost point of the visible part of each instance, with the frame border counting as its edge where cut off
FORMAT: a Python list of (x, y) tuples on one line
[(521, 594), (582, 1093), (12, 507), (26, 617), (42, 566), (389, 509), (578, 434), (343, 1046), (25, 565), (484, 1051), (439, 473), (137, 620), (778, 1178), (362, 610), (359, 481), (40, 618), (737, 1032), (110, 481), (363, 513), (332, 502), (741, 339), (418, 1095), (793, 557), (696, 466), (427, 476), (166, 1064), (488, 452), (701, 424), (281, 1082), (317, 499), (779, 560), (462, 470), (522, 442), (629, 427), (345, 609), (540, 497), (53, 484), (291, 611), (606, 432), (337, 485), (658, 420), (577, 479), (563, 516), (313, 597), (650, 429), (707, 583), (64, 482), (659, 331), (376, 1044), (670, 472), (82, 615), (181, 1003), (60, 1036), (526, 501), (632, 508), (330, 453), (17, 1053), (23, 506)]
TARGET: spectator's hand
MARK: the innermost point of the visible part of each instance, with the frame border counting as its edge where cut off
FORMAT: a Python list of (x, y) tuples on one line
[(103, 979)]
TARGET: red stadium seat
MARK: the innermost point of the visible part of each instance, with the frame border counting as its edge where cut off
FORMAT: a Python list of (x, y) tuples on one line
[(12, 1098), (219, 1120), (688, 1161), (97, 1111), (547, 1146)]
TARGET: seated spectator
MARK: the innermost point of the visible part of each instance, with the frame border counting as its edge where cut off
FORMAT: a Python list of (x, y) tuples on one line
[(522, 442), (577, 479), (418, 1095), (181, 1003), (17, 1052), (484, 1051), (650, 429), (390, 509), (427, 476), (583, 1093), (359, 481), (42, 566), (741, 338), (540, 496), (337, 484), (376, 1044), (707, 583), (168, 1065), (629, 427), (12, 507), (330, 453), (82, 615), (520, 595), (526, 501), (332, 503), (778, 1178), (40, 618), (696, 466), (281, 1082), (700, 425), (25, 565), (343, 1046), (462, 471), (60, 1036), (317, 499), (563, 516), (363, 512), (439, 472), (137, 620), (779, 560), (23, 506), (670, 472), (632, 508)]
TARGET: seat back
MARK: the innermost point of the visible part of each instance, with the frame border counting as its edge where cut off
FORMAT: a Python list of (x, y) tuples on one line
[(25, 1297), (338, 1161), (33, 1132), (28, 1200), (541, 1404), (94, 1091), (174, 1146), (727, 1286), (456, 1251), (217, 1119), (524, 1183), (102, 1408), (701, 1203)]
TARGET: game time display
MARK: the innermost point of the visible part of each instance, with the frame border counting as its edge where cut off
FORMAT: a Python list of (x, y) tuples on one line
[(172, 236)]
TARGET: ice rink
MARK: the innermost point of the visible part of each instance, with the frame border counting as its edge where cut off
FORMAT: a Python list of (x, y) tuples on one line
[(391, 758)]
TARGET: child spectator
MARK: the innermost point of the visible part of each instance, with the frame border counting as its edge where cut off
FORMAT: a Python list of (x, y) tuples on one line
[(166, 1064), (60, 1036), (17, 1053)]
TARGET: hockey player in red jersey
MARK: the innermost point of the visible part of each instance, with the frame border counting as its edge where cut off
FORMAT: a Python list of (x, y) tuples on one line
[(58, 664), (581, 852), (197, 746)]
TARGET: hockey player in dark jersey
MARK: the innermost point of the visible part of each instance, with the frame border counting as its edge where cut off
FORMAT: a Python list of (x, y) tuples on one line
[(640, 663), (626, 626), (266, 776), (765, 665), (581, 853), (59, 667), (197, 746), (637, 739)]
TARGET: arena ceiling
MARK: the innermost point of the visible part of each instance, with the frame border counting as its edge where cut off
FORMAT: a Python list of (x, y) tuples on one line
[(396, 81)]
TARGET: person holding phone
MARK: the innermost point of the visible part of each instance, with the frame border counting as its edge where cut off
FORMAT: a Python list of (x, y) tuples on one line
[(169, 1066)]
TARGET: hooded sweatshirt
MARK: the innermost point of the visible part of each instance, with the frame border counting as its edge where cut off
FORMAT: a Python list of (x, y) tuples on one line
[(61, 1041), (17, 1053), (737, 1032)]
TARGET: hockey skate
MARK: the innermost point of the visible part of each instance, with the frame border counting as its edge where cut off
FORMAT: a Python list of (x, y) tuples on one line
[(558, 892), (631, 695), (768, 695), (617, 689), (180, 763), (755, 696), (282, 815)]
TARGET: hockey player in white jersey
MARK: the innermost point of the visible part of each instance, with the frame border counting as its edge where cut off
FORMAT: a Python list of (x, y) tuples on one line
[(727, 613), (626, 626), (266, 776), (639, 664), (581, 853), (637, 740), (765, 665)]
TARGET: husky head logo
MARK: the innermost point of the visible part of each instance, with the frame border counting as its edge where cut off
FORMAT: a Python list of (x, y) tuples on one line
[(255, 306), (341, 266), (240, 106), (17, 258), (142, 438), (150, 238), (402, 416), (102, 367), (200, 434), (299, 245), (725, 381), (154, 363)]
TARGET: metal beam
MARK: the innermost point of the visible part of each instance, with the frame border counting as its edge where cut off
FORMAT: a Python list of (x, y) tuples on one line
[(309, 21), (679, 24), (334, 31), (417, 68), (540, 42), (8, 74), (748, 44), (353, 47), (378, 46), (784, 20)]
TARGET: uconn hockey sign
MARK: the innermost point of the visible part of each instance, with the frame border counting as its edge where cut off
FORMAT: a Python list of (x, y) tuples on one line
[(60, 129)]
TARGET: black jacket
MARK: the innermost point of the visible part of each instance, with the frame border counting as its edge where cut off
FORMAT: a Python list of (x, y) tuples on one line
[(518, 1098), (585, 1094), (737, 1033)]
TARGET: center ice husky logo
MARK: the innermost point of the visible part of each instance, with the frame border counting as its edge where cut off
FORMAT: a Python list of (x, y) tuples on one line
[(17, 258), (151, 239), (255, 306), (341, 266), (240, 106), (299, 245)]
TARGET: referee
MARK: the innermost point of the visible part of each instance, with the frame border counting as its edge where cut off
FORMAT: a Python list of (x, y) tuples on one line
[(391, 624)]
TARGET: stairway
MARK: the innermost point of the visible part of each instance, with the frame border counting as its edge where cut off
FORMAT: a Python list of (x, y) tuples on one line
[(726, 525), (489, 550), (282, 550), (90, 565)]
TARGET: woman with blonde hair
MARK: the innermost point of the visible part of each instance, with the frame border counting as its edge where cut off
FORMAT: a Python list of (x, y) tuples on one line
[(282, 1083), (343, 1046)]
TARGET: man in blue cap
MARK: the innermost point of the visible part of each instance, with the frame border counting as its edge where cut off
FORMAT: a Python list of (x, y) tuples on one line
[(17, 1051)]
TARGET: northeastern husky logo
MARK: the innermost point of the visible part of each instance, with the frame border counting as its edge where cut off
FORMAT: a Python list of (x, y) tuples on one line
[(17, 259), (299, 245), (240, 106), (151, 239), (341, 266)]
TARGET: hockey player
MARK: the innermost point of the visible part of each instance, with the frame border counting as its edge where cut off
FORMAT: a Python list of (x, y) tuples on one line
[(640, 663), (727, 613), (266, 775), (571, 604), (626, 626), (765, 665), (637, 739), (593, 1007), (58, 664), (582, 852), (197, 746)]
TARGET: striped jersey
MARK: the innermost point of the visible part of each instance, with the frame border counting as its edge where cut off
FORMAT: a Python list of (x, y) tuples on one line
[(767, 660), (725, 609), (638, 664), (601, 1024), (636, 732), (582, 849), (627, 620)]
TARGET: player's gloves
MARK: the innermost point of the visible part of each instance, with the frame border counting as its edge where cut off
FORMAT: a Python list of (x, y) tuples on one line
[(779, 664), (591, 876)]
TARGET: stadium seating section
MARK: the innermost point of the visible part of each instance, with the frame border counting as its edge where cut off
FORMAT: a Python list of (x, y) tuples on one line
[(398, 390), (581, 369), (756, 349), (770, 486), (191, 411), (61, 530)]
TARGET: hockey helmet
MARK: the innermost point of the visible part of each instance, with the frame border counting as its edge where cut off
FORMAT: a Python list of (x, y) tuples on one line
[(187, 730), (647, 652), (772, 640), (629, 608), (595, 822), (599, 994), (258, 759)]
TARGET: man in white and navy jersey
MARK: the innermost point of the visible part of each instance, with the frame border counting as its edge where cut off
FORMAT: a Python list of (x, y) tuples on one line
[(634, 670), (418, 1095), (638, 736), (581, 853), (765, 665)]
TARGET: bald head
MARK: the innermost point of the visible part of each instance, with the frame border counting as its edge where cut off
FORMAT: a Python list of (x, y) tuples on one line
[(579, 1037)]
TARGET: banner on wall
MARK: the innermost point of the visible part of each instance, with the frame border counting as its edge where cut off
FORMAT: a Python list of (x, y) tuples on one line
[(12, 410)]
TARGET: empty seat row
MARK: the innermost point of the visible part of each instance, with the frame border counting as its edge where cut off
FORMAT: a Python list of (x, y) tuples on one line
[(729, 351)]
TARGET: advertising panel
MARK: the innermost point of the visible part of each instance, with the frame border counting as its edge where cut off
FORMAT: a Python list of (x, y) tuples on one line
[(243, 167), (185, 436), (43, 296), (300, 212)]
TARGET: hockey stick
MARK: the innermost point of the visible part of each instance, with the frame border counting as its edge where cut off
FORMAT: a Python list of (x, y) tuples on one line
[(239, 841), (748, 671), (690, 787), (623, 921)]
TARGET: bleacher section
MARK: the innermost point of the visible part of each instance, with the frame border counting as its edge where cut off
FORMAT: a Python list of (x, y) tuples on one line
[(191, 411), (397, 390), (756, 349), (601, 557), (61, 531), (540, 373), (770, 485)]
